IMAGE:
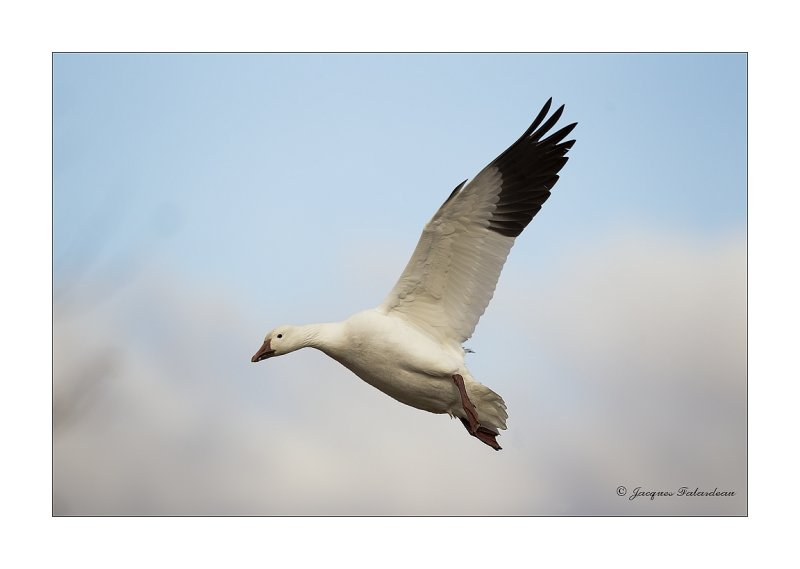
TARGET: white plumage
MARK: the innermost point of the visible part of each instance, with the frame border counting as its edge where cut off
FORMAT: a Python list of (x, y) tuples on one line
[(410, 346)]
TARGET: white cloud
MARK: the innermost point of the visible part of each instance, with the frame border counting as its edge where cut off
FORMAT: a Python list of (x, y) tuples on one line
[(625, 366)]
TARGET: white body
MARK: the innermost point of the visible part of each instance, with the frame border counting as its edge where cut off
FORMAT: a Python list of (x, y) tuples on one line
[(394, 356)]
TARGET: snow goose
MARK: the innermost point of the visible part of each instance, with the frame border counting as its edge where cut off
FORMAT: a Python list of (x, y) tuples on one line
[(410, 347)]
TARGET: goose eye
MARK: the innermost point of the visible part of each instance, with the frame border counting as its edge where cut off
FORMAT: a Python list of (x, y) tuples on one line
[(280, 335)]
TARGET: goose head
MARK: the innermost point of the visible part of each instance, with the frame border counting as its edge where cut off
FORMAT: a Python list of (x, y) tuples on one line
[(282, 340)]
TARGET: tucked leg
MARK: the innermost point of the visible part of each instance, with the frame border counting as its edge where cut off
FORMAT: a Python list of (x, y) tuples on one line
[(469, 408), (484, 435)]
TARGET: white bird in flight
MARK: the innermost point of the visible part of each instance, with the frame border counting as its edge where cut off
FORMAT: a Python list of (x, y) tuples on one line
[(410, 347)]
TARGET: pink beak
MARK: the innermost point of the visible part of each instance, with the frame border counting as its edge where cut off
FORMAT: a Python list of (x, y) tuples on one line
[(264, 352)]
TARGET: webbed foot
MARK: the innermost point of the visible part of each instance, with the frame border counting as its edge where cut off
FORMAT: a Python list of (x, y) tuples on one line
[(484, 435)]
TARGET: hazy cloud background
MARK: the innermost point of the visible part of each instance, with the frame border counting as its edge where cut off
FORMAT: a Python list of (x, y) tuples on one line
[(201, 200)]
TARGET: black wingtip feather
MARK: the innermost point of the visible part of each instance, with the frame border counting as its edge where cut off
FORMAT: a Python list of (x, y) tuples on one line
[(560, 135), (549, 124), (540, 117), (529, 170), (537, 121)]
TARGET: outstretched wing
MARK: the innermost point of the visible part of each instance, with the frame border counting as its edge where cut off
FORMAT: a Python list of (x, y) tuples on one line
[(452, 274)]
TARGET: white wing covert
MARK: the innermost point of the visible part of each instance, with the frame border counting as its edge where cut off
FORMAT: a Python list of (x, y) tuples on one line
[(452, 274)]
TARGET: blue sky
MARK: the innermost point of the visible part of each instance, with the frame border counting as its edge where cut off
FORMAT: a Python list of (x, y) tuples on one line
[(212, 162), (199, 200)]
